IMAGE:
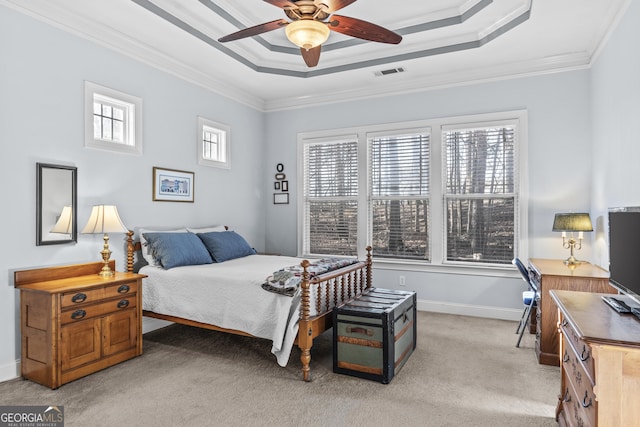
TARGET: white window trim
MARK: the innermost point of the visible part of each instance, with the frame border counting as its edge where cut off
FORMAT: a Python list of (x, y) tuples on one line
[(133, 128), (226, 129), (483, 122), (438, 263)]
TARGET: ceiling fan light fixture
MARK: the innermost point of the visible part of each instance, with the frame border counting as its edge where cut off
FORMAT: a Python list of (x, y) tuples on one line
[(307, 33)]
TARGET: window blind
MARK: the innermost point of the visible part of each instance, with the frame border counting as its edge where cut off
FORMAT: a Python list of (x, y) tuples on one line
[(330, 197), (399, 195), (480, 197)]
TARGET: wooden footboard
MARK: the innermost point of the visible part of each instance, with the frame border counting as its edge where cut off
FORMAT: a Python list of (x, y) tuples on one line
[(333, 288), (338, 285)]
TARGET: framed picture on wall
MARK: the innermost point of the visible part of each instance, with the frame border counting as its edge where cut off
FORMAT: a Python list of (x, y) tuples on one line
[(281, 198), (171, 185)]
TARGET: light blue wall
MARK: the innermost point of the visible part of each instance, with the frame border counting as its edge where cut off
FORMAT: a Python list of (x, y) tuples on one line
[(42, 70), (559, 176), (559, 137), (615, 107)]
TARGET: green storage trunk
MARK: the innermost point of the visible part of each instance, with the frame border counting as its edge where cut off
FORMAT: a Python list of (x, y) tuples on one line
[(374, 334)]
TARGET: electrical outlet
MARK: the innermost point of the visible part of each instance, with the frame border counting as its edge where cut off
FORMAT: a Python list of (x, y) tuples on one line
[(401, 281)]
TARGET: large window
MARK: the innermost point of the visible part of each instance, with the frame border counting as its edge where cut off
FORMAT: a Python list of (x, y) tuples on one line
[(445, 191), (331, 196), (399, 194), (480, 195)]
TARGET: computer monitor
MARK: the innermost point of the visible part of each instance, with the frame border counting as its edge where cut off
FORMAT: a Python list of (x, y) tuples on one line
[(624, 250)]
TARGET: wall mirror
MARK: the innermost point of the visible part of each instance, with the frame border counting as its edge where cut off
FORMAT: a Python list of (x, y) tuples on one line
[(56, 206)]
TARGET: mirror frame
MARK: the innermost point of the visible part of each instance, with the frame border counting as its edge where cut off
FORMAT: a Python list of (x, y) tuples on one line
[(40, 168)]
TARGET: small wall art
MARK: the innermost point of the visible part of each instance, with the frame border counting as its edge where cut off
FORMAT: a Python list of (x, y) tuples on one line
[(170, 185), (282, 185), (280, 198)]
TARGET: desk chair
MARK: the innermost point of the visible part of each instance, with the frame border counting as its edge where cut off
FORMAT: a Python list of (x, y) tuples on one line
[(528, 298)]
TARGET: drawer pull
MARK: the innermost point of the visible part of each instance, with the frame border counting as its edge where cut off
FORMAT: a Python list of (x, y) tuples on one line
[(79, 297), (566, 357), (359, 330), (564, 323), (567, 396), (585, 354), (123, 289), (586, 404), (124, 303), (78, 314)]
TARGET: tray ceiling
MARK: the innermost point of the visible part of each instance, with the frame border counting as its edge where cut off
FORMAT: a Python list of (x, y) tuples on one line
[(445, 42)]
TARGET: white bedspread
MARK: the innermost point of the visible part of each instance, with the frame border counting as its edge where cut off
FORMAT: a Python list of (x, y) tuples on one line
[(229, 295)]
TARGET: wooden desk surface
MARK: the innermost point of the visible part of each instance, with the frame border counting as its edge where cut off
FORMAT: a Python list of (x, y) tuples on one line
[(595, 321), (556, 267)]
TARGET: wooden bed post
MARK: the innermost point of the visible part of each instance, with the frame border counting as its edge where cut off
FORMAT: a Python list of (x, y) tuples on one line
[(130, 251), (305, 333), (369, 265)]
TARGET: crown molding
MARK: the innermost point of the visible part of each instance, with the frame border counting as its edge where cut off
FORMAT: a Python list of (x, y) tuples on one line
[(556, 64), (116, 41)]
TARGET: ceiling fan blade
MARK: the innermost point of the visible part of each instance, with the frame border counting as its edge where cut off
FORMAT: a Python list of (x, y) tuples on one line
[(283, 4), (252, 31), (363, 30), (312, 56), (333, 5)]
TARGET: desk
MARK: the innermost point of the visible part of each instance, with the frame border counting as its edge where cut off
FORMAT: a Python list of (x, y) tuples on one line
[(554, 274), (600, 352)]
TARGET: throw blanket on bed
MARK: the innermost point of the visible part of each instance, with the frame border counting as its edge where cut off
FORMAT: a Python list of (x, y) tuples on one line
[(287, 280)]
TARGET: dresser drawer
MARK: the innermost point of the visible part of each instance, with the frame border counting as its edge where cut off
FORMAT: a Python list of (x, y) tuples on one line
[(87, 296), (579, 348), (579, 405), (88, 311), (71, 299), (121, 290), (577, 378)]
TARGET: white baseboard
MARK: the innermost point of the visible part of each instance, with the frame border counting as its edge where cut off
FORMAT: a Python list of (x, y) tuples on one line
[(10, 371), (470, 310)]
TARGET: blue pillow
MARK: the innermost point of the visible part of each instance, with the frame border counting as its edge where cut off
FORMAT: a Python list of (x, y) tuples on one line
[(226, 245), (177, 249)]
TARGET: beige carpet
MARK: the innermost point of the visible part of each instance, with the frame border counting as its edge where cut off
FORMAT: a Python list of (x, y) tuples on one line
[(465, 372)]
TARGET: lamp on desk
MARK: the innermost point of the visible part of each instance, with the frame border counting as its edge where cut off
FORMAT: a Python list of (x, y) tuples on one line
[(104, 219), (572, 223)]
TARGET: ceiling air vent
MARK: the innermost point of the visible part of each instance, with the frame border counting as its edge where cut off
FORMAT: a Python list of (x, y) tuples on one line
[(389, 71)]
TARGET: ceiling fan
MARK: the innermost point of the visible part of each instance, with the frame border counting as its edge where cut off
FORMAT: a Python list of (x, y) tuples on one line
[(311, 23)]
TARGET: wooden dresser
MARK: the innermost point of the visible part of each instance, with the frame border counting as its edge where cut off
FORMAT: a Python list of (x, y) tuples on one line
[(552, 274), (74, 322), (600, 354)]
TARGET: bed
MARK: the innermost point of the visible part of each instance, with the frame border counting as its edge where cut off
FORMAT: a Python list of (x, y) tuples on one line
[(236, 295)]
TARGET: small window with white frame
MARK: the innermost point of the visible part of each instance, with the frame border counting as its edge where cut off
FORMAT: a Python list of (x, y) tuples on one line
[(113, 119), (214, 141)]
